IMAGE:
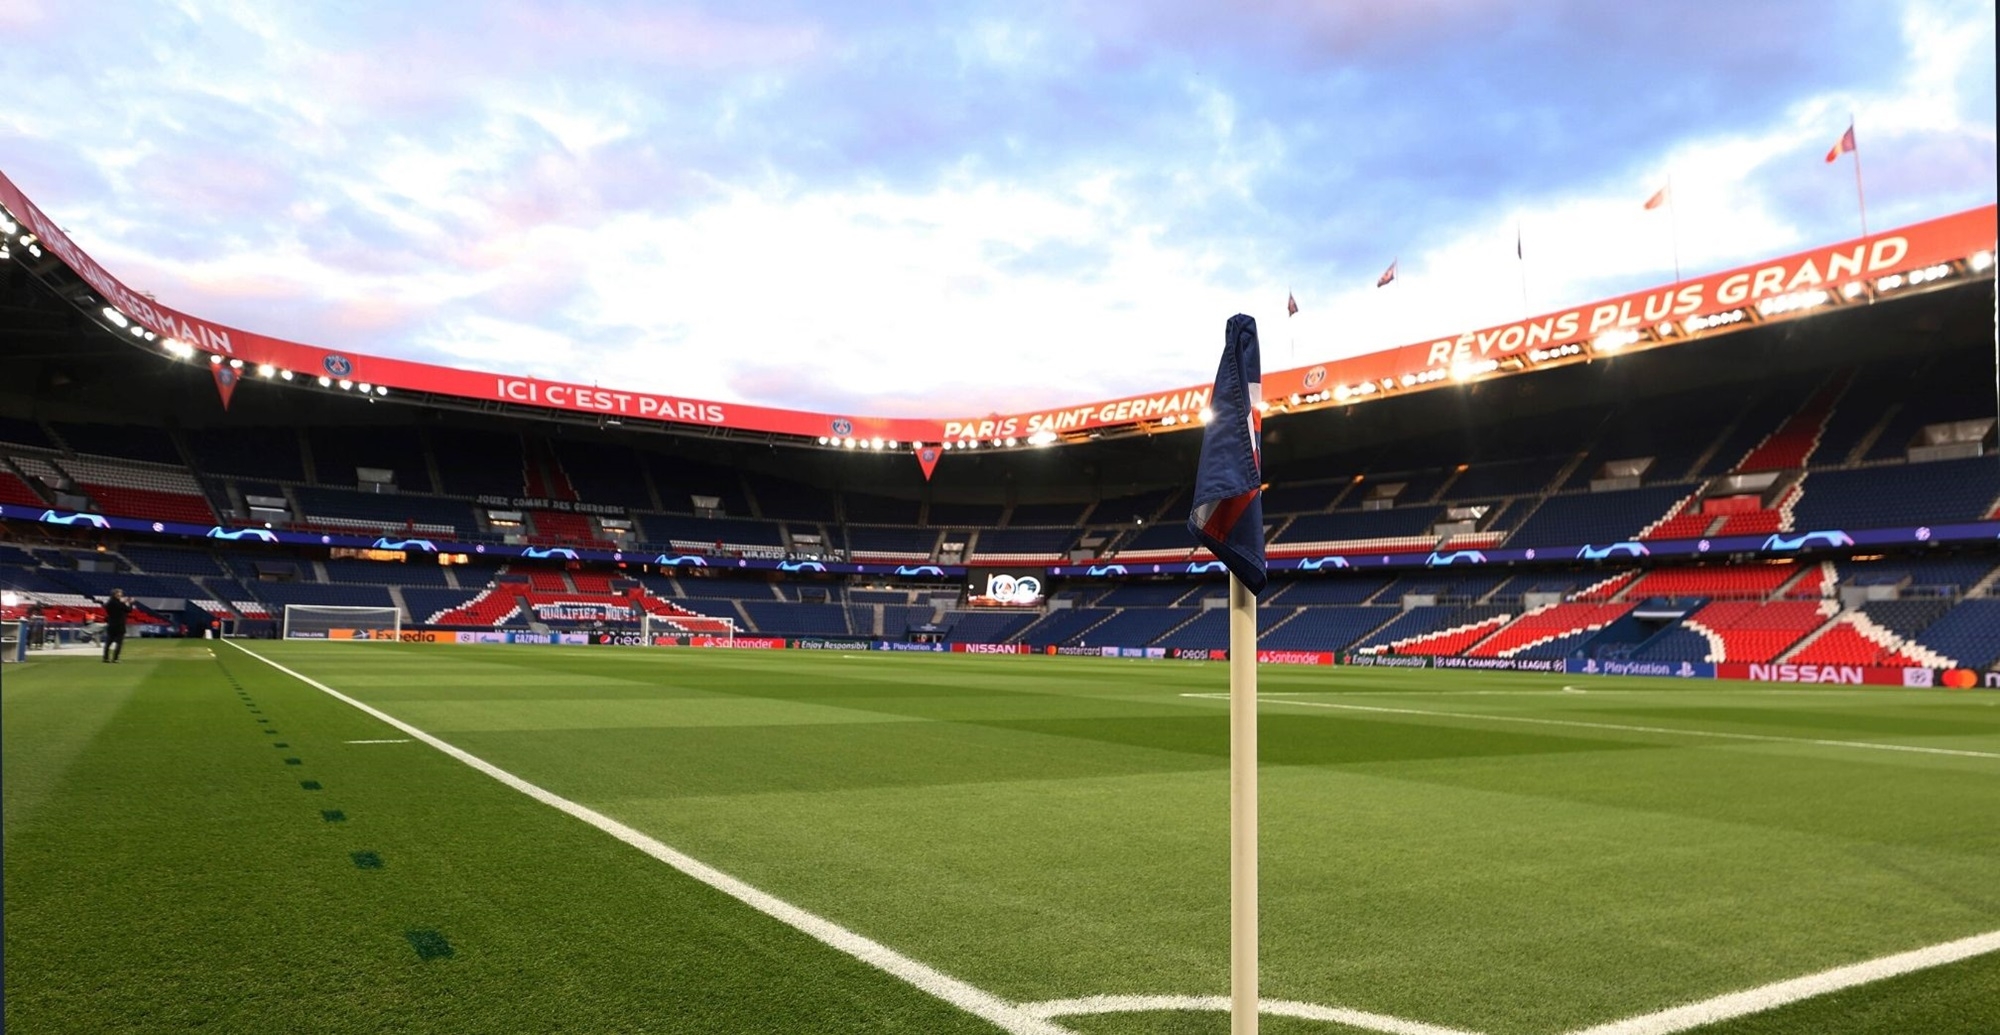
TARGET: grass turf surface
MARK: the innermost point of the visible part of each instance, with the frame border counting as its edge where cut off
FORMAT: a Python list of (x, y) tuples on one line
[(1040, 827)]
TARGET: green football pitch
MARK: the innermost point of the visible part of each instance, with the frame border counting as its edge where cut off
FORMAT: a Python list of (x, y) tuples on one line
[(384, 838)]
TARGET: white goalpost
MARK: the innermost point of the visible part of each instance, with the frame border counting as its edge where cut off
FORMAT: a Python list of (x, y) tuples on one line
[(331, 622), (654, 625)]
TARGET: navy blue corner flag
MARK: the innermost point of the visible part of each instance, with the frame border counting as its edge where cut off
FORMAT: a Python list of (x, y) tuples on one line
[(1228, 514)]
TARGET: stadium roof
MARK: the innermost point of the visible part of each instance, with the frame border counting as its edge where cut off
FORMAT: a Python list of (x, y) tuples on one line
[(1918, 258)]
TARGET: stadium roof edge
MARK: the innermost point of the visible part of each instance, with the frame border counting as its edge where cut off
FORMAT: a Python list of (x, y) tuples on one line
[(1921, 257)]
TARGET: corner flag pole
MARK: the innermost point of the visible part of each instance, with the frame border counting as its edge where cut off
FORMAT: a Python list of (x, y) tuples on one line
[(1242, 809), (1228, 519)]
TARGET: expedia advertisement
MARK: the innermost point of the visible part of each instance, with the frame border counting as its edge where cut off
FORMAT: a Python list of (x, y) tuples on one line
[(358, 634), (1004, 587)]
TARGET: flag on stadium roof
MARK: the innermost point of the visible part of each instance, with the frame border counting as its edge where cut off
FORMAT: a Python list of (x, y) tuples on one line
[(1659, 198), (1291, 305), (1843, 145), (226, 378), (1228, 515), (1388, 274)]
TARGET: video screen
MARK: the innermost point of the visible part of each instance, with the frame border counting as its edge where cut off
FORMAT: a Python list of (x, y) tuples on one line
[(987, 587)]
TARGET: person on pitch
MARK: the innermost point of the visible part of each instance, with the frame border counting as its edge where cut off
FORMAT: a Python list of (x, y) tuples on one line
[(116, 607)]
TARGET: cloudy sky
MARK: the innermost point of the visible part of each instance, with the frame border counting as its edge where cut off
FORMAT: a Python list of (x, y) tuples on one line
[(958, 208)]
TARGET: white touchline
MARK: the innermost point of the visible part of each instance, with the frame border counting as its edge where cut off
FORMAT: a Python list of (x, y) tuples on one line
[(1578, 723), (1757, 1000), (402, 740), (1007, 1016), (1362, 1019)]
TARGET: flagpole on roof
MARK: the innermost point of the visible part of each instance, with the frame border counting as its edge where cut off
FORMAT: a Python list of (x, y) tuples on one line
[(1674, 225), (1521, 260), (1860, 198)]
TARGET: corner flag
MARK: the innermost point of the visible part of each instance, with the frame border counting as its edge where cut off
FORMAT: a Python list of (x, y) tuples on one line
[(1228, 515)]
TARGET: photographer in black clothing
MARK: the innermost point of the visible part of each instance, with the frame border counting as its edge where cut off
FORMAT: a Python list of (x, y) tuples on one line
[(116, 607)]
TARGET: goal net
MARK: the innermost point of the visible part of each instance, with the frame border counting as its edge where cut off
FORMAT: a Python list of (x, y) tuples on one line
[(656, 626), (327, 622)]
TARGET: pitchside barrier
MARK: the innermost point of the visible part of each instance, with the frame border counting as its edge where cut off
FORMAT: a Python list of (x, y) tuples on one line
[(1835, 675)]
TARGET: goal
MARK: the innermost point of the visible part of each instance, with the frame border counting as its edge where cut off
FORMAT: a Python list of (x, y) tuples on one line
[(328, 622), (688, 625)]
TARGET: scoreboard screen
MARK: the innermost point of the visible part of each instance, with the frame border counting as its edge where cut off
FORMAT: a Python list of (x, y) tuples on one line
[(999, 587)]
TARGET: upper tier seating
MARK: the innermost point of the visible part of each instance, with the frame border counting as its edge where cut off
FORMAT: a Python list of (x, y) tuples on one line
[(1899, 495), (1596, 518)]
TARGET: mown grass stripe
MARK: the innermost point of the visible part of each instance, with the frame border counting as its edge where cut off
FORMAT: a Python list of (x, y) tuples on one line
[(1006, 1015)]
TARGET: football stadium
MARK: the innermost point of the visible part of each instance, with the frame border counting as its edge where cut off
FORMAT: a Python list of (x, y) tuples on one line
[(1628, 668)]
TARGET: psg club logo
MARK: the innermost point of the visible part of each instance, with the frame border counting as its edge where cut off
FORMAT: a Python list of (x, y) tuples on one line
[(842, 426), (338, 366), (929, 454), (1315, 376), (226, 375)]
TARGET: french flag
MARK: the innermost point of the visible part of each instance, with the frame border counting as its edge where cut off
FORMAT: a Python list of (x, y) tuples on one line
[(1228, 515)]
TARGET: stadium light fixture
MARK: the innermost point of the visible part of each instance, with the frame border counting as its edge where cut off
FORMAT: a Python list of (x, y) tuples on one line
[(34, 251), (116, 317), (235, 364), (5, 254), (382, 391), (179, 348), (8, 598), (1612, 341), (849, 443), (286, 374), (1207, 415), (1012, 441), (28, 239), (325, 381), (877, 445), (1853, 289), (214, 360), (1980, 261), (346, 385), (893, 445), (1890, 282), (1044, 437), (266, 370), (8, 226), (822, 440)]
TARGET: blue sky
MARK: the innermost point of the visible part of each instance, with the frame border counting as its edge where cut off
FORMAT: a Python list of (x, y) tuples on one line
[(955, 209)]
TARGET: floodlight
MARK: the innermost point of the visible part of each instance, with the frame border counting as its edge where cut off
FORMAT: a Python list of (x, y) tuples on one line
[(325, 381), (235, 364), (346, 385), (1012, 441), (214, 360), (266, 370), (1981, 261), (286, 374), (116, 317), (383, 391)]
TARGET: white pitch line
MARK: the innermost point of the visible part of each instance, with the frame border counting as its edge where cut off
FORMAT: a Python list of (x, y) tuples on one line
[(404, 740), (1007, 1016), (1099, 1004), (1580, 724), (1758, 1000)]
